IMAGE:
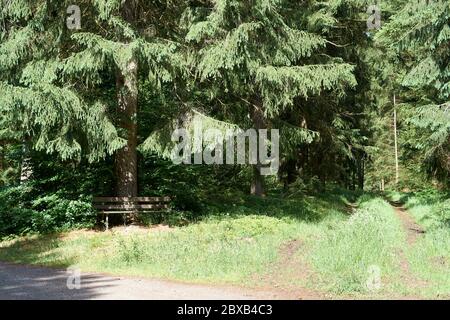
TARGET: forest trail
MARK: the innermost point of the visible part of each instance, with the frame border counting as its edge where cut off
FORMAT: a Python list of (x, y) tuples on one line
[(285, 274), (413, 232), (412, 229), (18, 282)]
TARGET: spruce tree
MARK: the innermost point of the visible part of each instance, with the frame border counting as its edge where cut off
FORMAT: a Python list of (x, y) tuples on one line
[(75, 92), (261, 57), (419, 33)]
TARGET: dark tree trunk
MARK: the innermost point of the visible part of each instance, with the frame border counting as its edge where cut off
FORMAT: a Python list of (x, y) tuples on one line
[(288, 173), (257, 187), (26, 167), (126, 158), (127, 96), (2, 156), (361, 172)]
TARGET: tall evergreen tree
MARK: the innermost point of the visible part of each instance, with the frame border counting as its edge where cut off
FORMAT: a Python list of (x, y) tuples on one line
[(420, 35), (75, 92), (256, 57)]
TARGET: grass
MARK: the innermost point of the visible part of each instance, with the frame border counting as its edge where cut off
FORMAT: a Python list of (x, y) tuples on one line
[(227, 247), (227, 250), (370, 240), (242, 243)]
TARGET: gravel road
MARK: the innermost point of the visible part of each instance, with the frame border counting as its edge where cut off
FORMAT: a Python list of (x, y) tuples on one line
[(36, 283)]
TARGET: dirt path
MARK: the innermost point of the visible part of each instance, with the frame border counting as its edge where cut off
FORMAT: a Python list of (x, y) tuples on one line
[(413, 230), (289, 274), (19, 282)]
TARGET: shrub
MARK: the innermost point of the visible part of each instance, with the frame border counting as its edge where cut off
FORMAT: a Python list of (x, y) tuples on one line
[(49, 213), (442, 213), (58, 213)]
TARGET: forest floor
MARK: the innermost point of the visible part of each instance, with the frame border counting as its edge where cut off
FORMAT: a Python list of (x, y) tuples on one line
[(322, 247)]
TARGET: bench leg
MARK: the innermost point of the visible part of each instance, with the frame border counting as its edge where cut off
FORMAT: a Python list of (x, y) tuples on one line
[(107, 222)]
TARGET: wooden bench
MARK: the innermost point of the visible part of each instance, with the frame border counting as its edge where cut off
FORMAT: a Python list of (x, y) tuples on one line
[(129, 205)]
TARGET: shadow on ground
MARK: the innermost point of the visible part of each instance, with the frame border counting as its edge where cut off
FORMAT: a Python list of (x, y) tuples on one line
[(19, 282), (303, 207)]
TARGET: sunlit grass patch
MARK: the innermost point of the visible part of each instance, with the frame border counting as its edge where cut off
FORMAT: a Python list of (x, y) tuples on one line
[(226, 251)]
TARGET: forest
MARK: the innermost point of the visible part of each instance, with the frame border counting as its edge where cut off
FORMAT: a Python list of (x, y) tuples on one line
[(354, 96)]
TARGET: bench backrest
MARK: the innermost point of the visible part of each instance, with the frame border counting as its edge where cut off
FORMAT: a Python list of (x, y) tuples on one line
[(131, 203)]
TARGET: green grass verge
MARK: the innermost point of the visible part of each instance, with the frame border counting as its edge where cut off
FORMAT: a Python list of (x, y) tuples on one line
[(351, 255)]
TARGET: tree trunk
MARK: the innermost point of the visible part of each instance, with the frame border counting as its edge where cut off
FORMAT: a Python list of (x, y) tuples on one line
[(396, 143), (26, 168), (257, 186), (288, 173), (2, 156), (126, 158), (362, 172), (127, 96)]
